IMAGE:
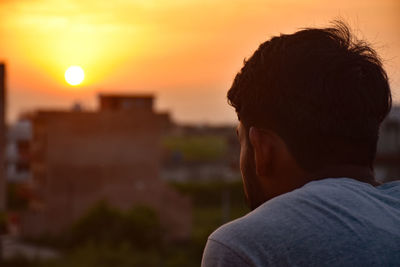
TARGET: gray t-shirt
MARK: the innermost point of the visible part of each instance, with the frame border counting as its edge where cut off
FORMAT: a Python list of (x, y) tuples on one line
[(330, 222)]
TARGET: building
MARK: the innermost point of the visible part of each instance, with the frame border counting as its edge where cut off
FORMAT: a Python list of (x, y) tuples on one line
[(19, 136), (387, 163), (113, 154), (2, 137)]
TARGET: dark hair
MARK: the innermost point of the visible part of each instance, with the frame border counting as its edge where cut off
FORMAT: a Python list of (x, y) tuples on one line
[(323, 91)]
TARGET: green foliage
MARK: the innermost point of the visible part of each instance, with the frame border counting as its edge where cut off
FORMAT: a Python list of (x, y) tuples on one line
[(138, 227), (207, 201), (185, 254), (101, 223), (95, 254), (106, 255), (142, 227), (209, 194), (197, 148), (107, 237)]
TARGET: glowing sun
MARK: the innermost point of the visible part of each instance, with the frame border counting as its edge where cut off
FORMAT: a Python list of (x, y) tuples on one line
[(74, 75)]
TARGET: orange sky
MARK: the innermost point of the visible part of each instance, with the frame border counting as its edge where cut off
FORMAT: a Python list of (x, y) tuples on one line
[(184, 51)]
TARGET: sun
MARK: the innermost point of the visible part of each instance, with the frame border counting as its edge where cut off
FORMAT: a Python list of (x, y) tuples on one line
[(74, 75)]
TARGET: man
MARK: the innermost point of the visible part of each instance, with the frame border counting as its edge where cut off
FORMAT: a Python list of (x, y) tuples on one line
[(310, 105)]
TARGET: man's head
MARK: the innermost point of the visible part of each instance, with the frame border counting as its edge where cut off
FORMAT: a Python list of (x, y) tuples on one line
[(307, 101)]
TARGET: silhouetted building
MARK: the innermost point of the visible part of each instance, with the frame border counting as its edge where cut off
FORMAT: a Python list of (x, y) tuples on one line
[(2, 136), (126, 102), (113, 154)]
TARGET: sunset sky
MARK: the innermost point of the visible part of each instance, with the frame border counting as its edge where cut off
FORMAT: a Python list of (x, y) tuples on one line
[(186, 52)]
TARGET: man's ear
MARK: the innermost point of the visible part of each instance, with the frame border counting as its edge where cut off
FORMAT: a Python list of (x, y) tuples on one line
[(262, 144)]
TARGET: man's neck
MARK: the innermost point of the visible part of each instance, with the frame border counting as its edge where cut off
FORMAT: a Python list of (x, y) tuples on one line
[(361, 173)]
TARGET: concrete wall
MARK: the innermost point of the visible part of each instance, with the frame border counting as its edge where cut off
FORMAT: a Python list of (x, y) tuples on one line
[(80, 158)]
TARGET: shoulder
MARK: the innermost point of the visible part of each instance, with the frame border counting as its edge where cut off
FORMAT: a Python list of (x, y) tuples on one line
[(282, 212), (261, 231), (294, 220)]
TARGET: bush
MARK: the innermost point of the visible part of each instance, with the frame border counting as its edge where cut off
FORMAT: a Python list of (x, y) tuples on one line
[(209, 194), (138, 227), (106, 255), (142, 228), (105, 236)]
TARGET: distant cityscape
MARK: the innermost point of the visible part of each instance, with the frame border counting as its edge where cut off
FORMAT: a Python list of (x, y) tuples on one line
[(123, 153), (126, 153)]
